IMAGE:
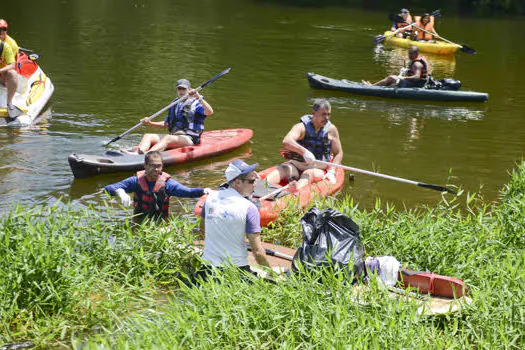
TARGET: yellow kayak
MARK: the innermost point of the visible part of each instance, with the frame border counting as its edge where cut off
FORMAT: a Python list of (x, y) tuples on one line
[(439, 47)]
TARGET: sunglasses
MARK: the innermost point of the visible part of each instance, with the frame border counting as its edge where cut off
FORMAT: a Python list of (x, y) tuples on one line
[(250, 181), (3, 29)]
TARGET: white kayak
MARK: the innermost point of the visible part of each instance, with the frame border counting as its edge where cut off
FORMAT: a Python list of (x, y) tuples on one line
[(33, 93)]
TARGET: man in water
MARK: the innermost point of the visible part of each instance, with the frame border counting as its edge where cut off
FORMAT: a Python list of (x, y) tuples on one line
[(315, 138), (417, 73), (185, 121), (152, 189)]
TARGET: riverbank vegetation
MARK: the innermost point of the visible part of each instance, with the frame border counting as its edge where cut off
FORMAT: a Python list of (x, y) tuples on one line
[(68, 278), (470, 7)]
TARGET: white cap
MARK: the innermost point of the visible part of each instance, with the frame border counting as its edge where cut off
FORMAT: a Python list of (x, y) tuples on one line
[(237, 168)]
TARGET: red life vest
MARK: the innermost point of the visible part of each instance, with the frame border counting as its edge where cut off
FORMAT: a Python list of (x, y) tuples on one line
[(154, 203), (424, 71)]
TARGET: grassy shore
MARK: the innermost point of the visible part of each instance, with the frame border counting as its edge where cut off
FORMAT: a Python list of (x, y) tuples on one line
[(67, 278)]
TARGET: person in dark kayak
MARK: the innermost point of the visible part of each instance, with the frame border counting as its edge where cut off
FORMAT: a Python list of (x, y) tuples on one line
[(315, 138), (152, 189), (228, 218), (185, 122), (416, 76), (407, 20)]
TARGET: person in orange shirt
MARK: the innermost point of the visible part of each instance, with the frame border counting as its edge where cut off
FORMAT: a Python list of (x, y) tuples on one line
[(8, 75), (6, 38), (425, 22)]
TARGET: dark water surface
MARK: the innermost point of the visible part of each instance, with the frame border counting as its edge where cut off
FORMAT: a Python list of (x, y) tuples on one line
[(114, 62)]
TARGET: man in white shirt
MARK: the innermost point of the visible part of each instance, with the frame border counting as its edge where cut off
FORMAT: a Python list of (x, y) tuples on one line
[(229, 217)]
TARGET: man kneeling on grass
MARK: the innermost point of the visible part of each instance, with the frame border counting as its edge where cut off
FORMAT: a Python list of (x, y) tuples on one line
[(228, 218)]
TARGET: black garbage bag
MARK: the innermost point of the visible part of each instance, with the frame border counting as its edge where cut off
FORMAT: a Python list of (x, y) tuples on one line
[(330, 239)]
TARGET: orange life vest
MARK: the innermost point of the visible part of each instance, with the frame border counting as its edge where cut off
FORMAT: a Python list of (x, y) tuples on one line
[(424, 71), (154, 203), (429, 27)]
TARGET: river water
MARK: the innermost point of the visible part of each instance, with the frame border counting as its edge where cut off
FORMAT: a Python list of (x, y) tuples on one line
[(115, 62)]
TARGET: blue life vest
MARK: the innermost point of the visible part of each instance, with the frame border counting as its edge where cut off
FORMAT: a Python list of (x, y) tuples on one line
[(318, 144), (183, 117)]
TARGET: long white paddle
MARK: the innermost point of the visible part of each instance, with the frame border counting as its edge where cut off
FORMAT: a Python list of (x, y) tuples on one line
[(177, 100)]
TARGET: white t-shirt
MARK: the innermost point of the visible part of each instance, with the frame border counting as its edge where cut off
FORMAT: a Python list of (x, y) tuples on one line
[(228, 217)]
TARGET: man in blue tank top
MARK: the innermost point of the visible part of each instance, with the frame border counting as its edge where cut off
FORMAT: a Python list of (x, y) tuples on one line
[(185, 122), (315, 138)]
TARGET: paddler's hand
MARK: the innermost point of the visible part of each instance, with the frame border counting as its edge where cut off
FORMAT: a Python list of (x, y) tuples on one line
[(125, 199), (145, 121), (330, 176), (194, 93), (207, 190), (309, 157)]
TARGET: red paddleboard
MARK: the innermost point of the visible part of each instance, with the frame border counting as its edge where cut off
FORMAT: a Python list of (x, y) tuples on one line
[(213, 143)]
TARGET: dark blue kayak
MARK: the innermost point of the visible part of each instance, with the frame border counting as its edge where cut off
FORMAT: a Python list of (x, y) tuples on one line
[(317, 81)]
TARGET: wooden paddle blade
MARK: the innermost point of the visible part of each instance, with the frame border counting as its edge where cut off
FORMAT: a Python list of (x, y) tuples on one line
[(437, 188), (467, 49)]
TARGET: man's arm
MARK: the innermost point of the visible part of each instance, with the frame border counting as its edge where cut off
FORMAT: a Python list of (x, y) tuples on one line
[(258, 250), (417, 73), (161, 125), (295, 134), (174, 188), (128, 185), (253, 231), (336, 148)]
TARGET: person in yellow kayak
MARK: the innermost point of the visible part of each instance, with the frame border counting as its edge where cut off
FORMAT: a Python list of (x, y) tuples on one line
[(315, 138), (417, 74), (6, 38), (407, 20), (425, 22), (8, 75), (185, 122)]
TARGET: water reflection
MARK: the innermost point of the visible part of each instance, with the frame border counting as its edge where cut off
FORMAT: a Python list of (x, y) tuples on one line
[(395, 58), (396, 111)]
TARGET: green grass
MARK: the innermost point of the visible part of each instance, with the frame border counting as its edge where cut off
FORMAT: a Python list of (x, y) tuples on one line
[(68, 278)]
